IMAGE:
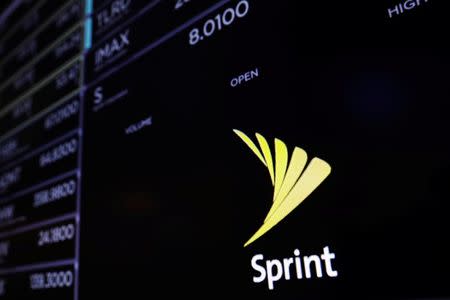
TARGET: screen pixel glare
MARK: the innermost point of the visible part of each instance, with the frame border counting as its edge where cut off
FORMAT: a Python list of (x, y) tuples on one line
[(121, 176)]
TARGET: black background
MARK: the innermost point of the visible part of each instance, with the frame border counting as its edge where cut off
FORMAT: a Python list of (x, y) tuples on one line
[(166, 210), (169, 208)]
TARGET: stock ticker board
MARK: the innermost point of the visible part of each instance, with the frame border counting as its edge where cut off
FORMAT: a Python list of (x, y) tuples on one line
[(236, 148)]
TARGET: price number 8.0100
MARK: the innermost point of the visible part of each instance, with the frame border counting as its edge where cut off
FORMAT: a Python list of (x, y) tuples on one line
[(226, 18)]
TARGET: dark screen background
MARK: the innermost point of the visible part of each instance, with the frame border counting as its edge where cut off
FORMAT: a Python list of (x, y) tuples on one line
[(177, 200), (166, 210)]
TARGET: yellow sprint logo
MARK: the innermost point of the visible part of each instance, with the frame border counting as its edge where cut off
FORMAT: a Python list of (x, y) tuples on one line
[(292, 182)]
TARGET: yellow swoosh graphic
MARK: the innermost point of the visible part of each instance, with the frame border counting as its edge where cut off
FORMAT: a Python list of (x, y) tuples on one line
[(282, 156), (291, 184), (250, 144), (298, 163), (267, 155)]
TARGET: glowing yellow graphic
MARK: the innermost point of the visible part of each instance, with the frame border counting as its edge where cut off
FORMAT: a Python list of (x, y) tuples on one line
[(291, 184)]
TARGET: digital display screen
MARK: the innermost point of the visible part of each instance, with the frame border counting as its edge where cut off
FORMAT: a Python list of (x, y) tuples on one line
[(224, 148)]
